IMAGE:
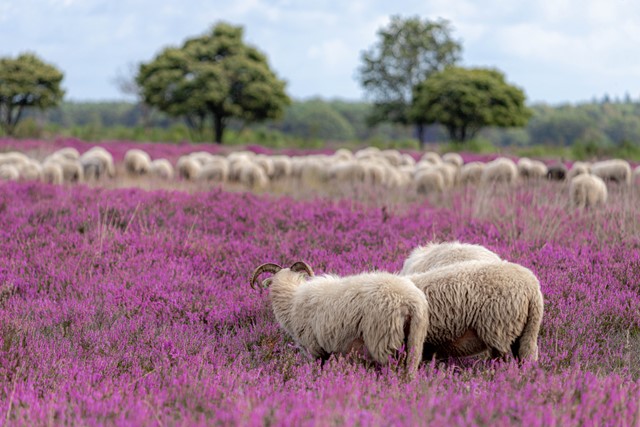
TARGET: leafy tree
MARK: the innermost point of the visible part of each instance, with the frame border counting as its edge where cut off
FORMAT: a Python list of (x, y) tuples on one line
[(315, 119), (211, 79), (408, 51), (465, 100), (26, 81)]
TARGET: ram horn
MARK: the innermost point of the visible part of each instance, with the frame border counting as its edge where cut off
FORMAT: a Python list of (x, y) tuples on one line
[(301, 266), (268, 267)]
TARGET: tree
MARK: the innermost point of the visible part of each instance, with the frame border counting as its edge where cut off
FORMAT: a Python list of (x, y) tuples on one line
[(465, 100), (26, 81), (211, 79), (408, 51)]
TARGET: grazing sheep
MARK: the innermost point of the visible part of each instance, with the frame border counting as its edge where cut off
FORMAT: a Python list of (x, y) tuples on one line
[(480, 305), (531, 169), (161, 168), (471, 173), (265, 163), (52, 173), (615, 170), (343, 154), (429, 181), (327, 314), (253, 176), (578, 168), (31, 170), (281, 167), (587, 190), (9, 172), (137, 162), (97, 163), (393, 157), (453, 158), (431, 157), (407, 160), (72, 170), (216, 170), (69, 153), (557, 172), (436, 255), (501, 169), (188, 168), (13, 158)]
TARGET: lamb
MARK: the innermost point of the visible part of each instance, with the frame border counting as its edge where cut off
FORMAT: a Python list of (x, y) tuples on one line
[(501, 169), (436, 255), (480, 305), (587, 190), (328, 314), (137, 162), (616, 170)]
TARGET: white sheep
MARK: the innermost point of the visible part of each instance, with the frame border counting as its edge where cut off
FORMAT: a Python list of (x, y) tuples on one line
[(137, 162), (31, 170), (616, 170), (281, 167), (578, 168), (96, 163), (435, 255), (52, 173), (480, 305), (428, 181), (531, 169), (161, 168), (188, 168), (471, 173), (9, 172), (327, 314), (72, 170), (216, 170), (501, 169), (253, 176), (431, 157), (453, 158), (69, 153), (343, 154), (587, 190)]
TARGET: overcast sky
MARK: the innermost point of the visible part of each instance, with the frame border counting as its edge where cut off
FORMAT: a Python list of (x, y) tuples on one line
[(556, 50)]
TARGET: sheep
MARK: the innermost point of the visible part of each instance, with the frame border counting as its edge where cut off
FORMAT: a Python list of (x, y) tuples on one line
[(407, 160), (161, 168), (328, 314), (9, 172), (69, 153), (557, 172), (188, 168), (431, 157), (392, 156), (471, 173), (13, 158), (501, 169), (137, 162), (578, 168), (281, 167), (587, 190), (72, 170), (436, 255), (216, 170), (30, 170), (480, 305), (531, 169), (253, 176), (615, 170), (429, 181), (52, 173), (343, 154), (97, 163), (453, 158)]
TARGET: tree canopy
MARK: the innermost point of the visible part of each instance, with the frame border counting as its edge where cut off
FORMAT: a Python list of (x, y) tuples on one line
[(465, 100), (26, 81), (211, 79), (407, 51)]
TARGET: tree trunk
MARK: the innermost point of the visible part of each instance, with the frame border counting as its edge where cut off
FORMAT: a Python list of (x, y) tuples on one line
[(218, 128), (420, 134)]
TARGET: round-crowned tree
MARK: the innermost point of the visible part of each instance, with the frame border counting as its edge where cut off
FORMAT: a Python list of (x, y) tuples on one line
[(25, 82), (465, 100), (211, 79)]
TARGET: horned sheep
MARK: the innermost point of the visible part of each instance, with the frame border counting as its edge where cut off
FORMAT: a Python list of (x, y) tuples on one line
[(476, 306), (328, 314), (587, 190)]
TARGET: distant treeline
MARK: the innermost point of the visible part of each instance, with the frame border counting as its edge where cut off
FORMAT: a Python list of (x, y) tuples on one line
[(589, 129)]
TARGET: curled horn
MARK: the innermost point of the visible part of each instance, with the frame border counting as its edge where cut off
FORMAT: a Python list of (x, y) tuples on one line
[(268, 267), (301, 266)]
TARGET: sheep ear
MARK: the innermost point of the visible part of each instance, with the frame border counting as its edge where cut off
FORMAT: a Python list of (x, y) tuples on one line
[(266, 283)]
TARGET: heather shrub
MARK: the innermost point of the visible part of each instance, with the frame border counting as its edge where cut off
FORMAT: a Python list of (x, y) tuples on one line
[(130, 307)]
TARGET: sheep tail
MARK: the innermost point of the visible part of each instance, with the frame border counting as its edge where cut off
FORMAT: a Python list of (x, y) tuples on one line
[(418, 324), (526, 346)]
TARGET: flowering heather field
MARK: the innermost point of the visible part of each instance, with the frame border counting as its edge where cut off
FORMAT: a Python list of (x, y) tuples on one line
[(126, 307)]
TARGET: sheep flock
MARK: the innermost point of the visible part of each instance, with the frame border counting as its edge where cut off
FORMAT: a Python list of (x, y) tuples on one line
[(430, 174)]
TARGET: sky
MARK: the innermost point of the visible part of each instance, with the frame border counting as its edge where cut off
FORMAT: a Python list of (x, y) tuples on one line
[(557, 51)]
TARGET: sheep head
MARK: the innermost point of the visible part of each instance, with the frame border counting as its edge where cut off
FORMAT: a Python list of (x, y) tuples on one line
[(296, 267)]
